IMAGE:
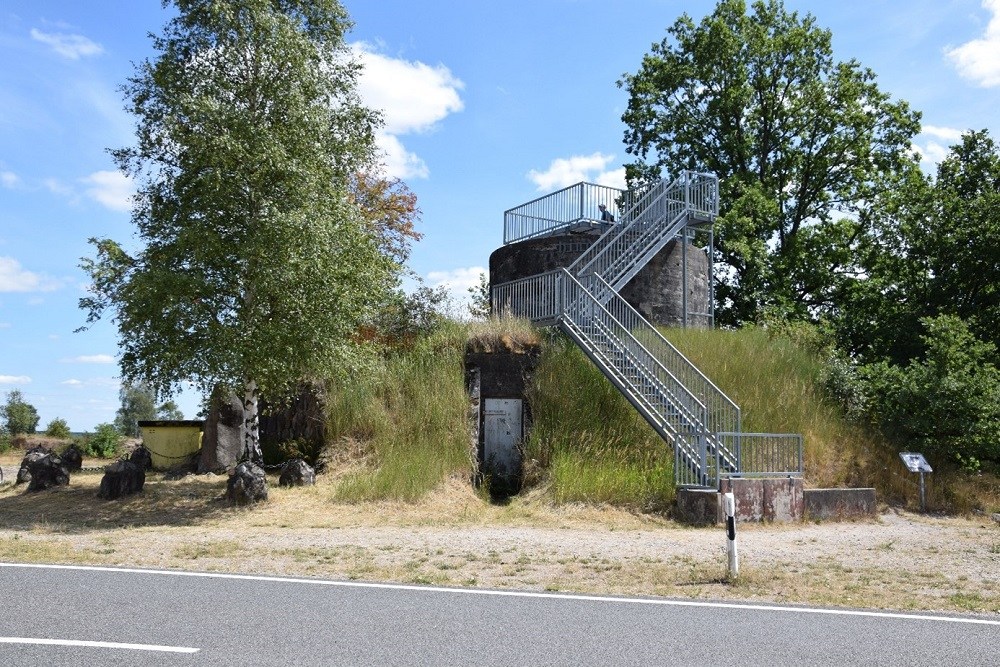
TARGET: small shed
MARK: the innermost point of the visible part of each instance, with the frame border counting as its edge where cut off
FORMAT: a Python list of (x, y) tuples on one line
[(171, 442)]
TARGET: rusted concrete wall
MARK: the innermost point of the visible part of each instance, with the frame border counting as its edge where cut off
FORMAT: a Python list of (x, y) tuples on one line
[(498, 375), (656, 291), (766, 499), (840, 503)]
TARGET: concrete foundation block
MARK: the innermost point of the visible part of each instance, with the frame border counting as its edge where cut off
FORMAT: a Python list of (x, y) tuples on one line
[(840, 503), (698, 507)]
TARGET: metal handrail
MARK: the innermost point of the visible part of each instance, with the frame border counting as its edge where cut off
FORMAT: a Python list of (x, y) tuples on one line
[(570, 207), (673, 395)]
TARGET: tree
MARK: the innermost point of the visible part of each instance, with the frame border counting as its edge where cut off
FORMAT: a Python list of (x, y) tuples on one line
[(256, 264), (933, 249), (794, 136), (57, 428), (479, 299), (19, 416), (138, 403)]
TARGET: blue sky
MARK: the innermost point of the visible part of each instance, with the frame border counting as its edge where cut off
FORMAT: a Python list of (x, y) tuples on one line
[(487, 104)]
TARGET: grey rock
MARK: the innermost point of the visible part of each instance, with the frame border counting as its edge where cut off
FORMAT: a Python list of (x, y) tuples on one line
[(73, 458), (141, 457), (47, 472), (247, 484), (33, 454), (122, 478), (222, 437), (297, 473)]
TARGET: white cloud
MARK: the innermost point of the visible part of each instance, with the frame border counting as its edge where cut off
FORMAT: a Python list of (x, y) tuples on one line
[(14, 379), (113, 189), (14, 278), (456, 279), (72, 382), (979, 59), (457, 282), (57, 188), (951, 134), (91, 359), (563, 172), (10, 180), (931, 153), (933, 150), (400, 162), (68, 46), (413, 96), (4, 325)]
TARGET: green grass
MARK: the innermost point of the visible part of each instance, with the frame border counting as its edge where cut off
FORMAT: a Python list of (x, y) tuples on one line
[(412, 415), (777, 384), (587, 442)]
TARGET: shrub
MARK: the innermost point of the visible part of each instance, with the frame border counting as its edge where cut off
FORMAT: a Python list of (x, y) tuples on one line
[(103, 443), (57, 428), (947, 404)]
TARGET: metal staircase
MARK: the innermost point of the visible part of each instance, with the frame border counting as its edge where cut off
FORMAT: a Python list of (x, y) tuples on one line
[(682, 405)]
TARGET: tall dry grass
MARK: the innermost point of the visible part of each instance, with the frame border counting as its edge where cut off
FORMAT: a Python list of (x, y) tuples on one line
[(777, 383), (411, 414), (587, 443)]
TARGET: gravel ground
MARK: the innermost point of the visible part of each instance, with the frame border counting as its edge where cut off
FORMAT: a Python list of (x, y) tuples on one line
[(898, 560)]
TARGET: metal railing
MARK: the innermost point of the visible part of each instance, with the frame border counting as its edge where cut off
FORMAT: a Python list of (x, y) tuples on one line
[(576, 205), (537, 298), (677, 399), (765, 454)]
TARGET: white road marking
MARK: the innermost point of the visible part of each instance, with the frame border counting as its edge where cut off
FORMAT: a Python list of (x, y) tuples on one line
[(522, 594), (77, 642)]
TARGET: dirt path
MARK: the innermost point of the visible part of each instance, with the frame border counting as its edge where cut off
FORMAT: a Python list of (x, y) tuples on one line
[(898, 561)]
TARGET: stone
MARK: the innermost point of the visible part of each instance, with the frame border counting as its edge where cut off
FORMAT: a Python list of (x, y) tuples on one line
[(838, 504), (122, 478), (33, 454), (73, 458), (47, 472), (222, 438), (247, 484), (297, 473), (142, 457)]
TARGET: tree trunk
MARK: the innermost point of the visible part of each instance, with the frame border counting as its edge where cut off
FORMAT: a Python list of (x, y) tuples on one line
[(251, 424)]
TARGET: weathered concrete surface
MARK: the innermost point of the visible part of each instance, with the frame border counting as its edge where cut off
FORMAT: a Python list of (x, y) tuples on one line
[(499, 374), (657, 291), (777, 499), (698, 507), (840, 503)]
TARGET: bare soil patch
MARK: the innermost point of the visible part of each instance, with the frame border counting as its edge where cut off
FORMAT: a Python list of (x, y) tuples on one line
[(455, 538)]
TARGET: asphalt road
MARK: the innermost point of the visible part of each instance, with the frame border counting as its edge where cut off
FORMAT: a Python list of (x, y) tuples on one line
[(139, 617)]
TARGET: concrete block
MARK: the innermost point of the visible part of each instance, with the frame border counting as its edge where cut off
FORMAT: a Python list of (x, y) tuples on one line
[(840, 503), (698, 507)]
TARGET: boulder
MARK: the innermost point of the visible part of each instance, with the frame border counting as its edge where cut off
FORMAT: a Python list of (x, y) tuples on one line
[(73, 458), (47, 472), (33, 454), (297, 473), (122, 478), (222, 439), (141, 457), (247, 484)]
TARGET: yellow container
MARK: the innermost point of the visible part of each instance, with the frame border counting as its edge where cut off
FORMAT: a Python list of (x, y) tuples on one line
[(171, 442)]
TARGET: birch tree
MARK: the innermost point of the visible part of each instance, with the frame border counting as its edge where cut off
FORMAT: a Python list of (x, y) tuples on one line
[(253, 263)]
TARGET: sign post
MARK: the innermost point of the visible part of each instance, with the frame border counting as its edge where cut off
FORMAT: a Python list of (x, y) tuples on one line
[(730, 505), (916, 462)]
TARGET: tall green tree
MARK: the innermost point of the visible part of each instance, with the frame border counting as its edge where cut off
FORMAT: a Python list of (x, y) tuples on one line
[(19, 416), (795, 137), (255, 264), (138, 403), (933, 249)]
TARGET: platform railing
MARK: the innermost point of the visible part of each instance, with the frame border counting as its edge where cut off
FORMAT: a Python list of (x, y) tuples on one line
[(576, 206)]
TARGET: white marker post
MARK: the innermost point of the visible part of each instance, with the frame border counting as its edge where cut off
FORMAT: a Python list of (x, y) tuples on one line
[(734, 560)]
